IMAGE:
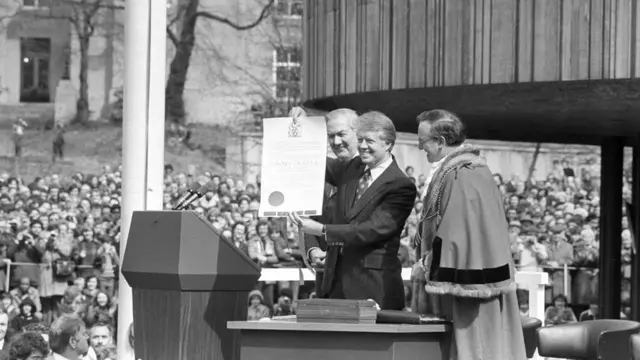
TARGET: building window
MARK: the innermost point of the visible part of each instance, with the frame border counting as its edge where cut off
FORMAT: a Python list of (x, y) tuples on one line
[(35, 3), (289, 8), (286, 69), (66, 75)]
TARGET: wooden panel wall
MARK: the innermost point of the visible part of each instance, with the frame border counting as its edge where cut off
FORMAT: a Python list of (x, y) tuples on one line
[(369, 45)]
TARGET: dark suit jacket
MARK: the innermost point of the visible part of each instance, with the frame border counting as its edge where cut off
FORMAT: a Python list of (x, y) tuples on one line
[(369, 230), (312, 241), (4, 352)]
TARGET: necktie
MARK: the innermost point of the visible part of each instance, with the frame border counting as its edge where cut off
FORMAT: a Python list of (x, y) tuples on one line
[(363, 183)]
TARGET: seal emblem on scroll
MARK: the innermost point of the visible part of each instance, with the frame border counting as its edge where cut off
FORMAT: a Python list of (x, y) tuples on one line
[(276, 198), (295, 128)]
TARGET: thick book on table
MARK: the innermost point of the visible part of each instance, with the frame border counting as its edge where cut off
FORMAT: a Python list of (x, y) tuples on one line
[(337, 311)]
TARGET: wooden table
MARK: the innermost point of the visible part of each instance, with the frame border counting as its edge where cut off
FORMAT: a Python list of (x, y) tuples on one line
[(284, 340)]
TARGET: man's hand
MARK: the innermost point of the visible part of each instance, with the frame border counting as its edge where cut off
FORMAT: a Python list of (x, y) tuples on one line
[(309, 226), (317, 256), (297, 112)]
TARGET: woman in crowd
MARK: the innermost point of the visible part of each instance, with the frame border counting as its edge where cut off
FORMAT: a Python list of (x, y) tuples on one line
[(559, 313), (257, 309), (101, 310)]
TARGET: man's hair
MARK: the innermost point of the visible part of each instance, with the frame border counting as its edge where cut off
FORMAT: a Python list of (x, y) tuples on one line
[(23, 344), (349, 114), (444, 124), (62, 330), (103, 324), (378, 122), (106, 352)]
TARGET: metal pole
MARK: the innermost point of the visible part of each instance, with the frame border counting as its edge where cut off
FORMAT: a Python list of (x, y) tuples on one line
[(143, 133), (609, 279)]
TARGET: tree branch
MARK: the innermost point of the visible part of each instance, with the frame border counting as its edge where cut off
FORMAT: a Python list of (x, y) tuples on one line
[(266, 10), (172, 37)]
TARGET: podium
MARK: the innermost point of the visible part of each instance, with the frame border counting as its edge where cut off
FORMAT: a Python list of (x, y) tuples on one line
[(188, 282)]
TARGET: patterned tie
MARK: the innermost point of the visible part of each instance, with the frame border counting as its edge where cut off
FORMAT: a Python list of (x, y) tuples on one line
[(363, 183)]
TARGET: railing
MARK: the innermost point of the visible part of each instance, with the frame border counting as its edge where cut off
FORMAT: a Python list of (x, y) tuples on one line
[(533, 281)]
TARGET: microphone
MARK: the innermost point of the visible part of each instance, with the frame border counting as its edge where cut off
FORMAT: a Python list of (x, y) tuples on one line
[(193, 189), (200, 193)]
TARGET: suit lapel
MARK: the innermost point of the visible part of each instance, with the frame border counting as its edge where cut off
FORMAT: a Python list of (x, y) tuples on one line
[(387, 176)]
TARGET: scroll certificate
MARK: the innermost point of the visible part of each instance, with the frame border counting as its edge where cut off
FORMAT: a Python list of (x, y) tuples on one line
[(294, 155)]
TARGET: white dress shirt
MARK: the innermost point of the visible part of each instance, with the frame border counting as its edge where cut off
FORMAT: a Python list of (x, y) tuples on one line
[(379, 169)]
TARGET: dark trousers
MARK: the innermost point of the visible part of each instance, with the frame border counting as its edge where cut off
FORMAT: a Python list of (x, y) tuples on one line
[(58, 151)]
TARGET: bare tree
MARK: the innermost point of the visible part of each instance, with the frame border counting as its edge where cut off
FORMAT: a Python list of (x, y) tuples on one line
[(186, 17), (86, 16)]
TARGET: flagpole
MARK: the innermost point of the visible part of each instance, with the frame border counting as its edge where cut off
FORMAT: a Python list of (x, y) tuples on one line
[(143, 133)]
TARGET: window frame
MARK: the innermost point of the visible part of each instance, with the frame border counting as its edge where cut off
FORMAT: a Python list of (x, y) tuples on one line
[(290, 4), (36, 4), (289, 50)]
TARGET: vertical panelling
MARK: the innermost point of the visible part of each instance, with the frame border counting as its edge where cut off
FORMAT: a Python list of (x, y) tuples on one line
[(467, 17), (337, 46), (400, 24), (351, 47), (596, 43), (606, 39), (622, 39), (440, 33), (361, 42), (369, 45), (576, 29), (385, 44), (372, 50), (503, 41), (486, 41), (452, 59), (525, 39), (342, 15), (313, 59), (306, 46), (546, 46), (321, 16), (478, 48), (416, 45), (635, 28), (568, 53), (429, 43), (328, 55)]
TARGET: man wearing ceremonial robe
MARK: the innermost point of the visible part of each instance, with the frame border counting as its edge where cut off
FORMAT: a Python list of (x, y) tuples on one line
[(463, 246)]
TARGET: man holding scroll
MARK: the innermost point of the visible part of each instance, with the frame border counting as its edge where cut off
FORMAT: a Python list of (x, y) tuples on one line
[(374, 199), (341, 135), (463, 246)]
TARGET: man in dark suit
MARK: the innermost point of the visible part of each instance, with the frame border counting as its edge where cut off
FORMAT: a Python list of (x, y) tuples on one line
[(341, 136), (374, 199), (4, 338)]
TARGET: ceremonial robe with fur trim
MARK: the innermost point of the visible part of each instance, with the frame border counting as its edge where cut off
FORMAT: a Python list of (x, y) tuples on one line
[(462, 240), (466, 263)]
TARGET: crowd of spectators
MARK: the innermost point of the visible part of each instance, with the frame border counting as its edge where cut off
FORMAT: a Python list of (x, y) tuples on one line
[(59, 250), (59, 238)]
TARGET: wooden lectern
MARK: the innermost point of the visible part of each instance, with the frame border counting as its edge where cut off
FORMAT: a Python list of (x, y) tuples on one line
[(188, 282)]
